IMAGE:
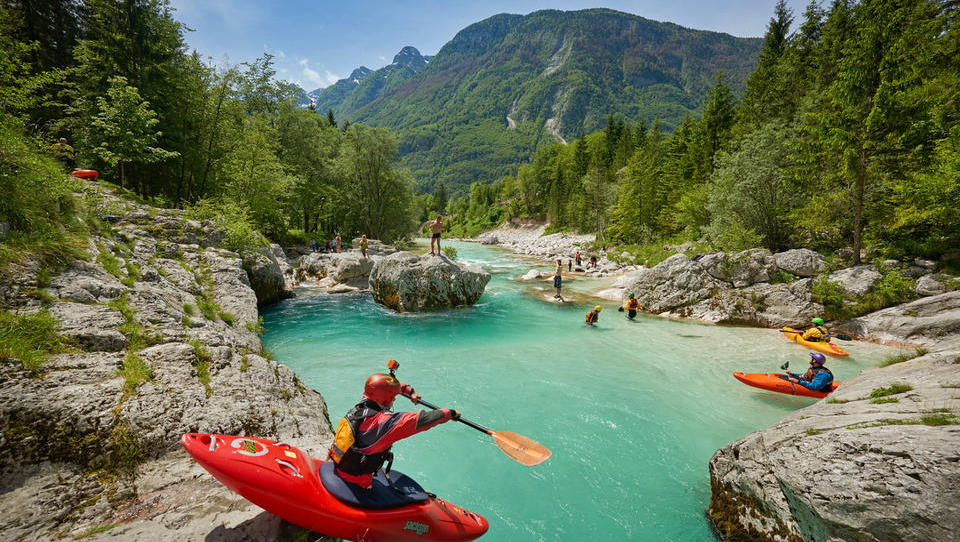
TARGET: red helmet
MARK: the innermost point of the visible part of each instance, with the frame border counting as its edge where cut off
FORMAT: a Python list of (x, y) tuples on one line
[(381, 388)]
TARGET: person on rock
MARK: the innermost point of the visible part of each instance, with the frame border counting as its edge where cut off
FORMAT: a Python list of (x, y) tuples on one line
[(631, 306), (437, 228), (367, 431), (593, 261), (364, 244), (579, 259), (558, 279), (817, 378), (818, 333), (593, 315)]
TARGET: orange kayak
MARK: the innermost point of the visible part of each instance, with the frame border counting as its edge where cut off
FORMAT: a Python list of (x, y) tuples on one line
[(778, 382), (826, 348)]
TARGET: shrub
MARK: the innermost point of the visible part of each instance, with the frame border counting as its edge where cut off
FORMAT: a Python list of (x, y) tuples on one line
[(450, 252), (240, 235), (832, 296)]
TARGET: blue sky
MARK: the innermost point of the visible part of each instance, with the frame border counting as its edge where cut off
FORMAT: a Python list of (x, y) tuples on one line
[(317, 42)]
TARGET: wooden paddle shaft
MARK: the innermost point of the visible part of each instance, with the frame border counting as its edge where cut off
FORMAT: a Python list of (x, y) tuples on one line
[(476, 426)]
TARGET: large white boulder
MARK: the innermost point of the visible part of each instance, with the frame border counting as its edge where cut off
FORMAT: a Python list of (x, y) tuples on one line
[(406, 282)]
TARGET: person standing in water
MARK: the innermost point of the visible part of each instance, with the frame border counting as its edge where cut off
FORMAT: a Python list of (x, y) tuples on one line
[(631, 306), (593, 315), (437, 228), (367, 431), (558, 279)]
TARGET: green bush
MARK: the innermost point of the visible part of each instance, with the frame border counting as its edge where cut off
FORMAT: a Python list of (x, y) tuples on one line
[(832, 296), (240, 235), (450, 252)]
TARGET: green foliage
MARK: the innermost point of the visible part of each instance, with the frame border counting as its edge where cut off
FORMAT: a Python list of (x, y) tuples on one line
[(137, 336), (37, 204), (832, 296), (256, 327), (30, 338), (201, 363), (892, 389), (125, 128), (135, 371), (109, 261), (208, 306), (228, 318), (240, 234), (882, 400), (450, 252), (189, 310), (904, 356)]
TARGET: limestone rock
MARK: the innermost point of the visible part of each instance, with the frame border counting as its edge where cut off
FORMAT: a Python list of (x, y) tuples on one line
[(532, 274), (269, 275), (800, 261), (850, 469), (92, 327), (928, 321), (350, 268), (929, 285), (857, 280), (406, 282), (741, 269)]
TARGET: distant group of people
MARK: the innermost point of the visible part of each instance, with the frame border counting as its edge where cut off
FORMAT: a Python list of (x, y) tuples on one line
[(336, 244)]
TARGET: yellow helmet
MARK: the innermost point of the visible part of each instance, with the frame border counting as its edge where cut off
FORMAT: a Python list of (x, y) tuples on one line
[(598, 308)]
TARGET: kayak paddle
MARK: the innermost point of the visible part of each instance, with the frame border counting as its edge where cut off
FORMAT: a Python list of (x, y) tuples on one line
[(520, 448)]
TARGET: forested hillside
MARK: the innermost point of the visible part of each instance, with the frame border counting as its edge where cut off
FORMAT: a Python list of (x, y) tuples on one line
[(506, 85), (114, 79), (847, 137)]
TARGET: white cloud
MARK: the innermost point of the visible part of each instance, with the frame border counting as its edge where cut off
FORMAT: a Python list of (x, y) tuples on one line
[(383, 58), (281, 55), (313, 77), (302, 62), (332, 78)]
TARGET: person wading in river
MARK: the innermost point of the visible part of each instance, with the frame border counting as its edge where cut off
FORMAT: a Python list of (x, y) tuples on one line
[(365, 434)]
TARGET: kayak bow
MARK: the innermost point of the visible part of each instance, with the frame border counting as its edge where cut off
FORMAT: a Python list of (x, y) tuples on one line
[(287, 483), (826, 348)]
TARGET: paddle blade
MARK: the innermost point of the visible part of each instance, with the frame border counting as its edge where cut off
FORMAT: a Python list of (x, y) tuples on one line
[(520, 448)]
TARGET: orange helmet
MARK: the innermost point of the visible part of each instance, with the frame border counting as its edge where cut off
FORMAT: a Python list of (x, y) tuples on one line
[(381, 388)]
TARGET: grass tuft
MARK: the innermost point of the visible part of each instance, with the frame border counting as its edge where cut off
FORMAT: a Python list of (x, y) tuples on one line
[(882, 400), (904, 356), (30, 338), (893, 389), (135, 371), (201, 362)]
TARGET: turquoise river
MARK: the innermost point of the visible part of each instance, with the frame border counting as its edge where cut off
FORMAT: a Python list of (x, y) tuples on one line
[(632, 411)]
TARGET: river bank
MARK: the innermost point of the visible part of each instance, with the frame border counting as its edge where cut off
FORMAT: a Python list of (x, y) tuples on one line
[(158, 333)]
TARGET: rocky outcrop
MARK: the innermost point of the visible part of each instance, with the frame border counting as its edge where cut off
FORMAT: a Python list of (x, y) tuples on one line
[(851, 467), (406, 282), (802, 262), (160, 327), (338, 272), (932, 322), (528, 238), (271, 278), (704, 289)]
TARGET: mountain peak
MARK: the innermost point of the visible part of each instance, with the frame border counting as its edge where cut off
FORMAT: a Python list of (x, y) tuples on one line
[(409, 56), (359, 74)]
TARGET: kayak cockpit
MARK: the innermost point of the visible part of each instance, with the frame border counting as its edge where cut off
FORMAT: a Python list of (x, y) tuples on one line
[(381, 495)]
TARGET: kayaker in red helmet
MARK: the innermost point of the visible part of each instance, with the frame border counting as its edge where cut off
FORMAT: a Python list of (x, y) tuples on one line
[(366, 433)]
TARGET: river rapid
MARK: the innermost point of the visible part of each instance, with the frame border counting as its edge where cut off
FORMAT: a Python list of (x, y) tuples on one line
[(632, 410)]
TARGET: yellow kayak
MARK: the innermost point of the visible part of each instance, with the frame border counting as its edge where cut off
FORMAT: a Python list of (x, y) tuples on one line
[(826, 348)]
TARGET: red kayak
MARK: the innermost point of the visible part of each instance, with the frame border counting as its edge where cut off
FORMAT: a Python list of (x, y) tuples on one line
[(305, 491), (778, 382), (85, 173)]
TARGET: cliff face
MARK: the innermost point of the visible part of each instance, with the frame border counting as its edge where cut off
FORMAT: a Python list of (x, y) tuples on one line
[(877, 460), (161, 332)]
